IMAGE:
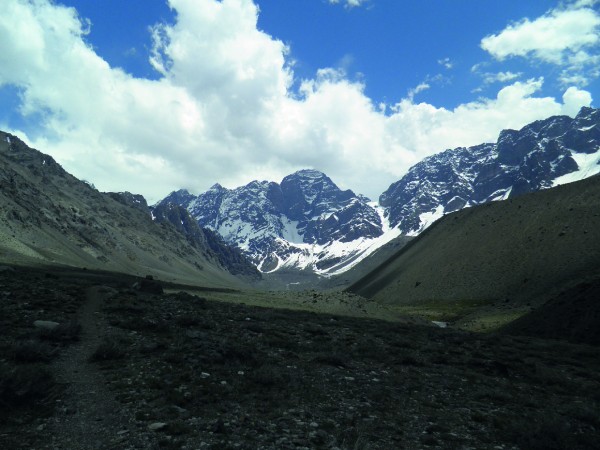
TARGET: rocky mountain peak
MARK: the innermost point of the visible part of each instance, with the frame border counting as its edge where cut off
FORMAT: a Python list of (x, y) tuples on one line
[(275, 223), (216, 187), (307, 221), (538, 156)]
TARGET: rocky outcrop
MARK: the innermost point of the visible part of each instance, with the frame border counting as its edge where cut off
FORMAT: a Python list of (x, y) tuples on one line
[(540, 155)]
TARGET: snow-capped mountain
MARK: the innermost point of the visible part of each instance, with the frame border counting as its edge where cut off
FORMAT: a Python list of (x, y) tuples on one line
[(305, 222), (543, 154)]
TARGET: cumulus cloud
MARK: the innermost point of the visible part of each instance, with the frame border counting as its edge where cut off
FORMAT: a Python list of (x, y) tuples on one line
[(566, 36), (550, 38), (224, 110), (574, 99)]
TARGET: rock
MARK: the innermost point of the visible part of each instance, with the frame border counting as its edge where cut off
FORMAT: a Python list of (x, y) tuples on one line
[(45, 324), (150, 286), (157, 426), (218, 427), (193, 334)]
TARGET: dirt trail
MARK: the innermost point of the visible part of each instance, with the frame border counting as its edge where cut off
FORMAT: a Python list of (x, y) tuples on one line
[(88, 416)]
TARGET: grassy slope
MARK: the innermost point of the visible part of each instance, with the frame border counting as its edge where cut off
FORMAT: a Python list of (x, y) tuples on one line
[(499, 259)]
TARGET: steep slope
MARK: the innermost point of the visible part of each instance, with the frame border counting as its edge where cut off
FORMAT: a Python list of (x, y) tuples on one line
[(543, 154), (305, 223), (47, 216), (511, 254), (228, 256), (572, 315)]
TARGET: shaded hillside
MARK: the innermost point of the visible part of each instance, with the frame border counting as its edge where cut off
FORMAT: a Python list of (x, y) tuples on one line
[(573, 315), (229, 257), (503, 254), (47, 216)]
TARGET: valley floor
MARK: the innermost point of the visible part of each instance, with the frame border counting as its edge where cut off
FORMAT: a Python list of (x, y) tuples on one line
[(132, 370)]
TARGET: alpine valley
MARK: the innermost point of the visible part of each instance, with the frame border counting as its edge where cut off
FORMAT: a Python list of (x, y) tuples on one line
[(128, 326), (307, 223)]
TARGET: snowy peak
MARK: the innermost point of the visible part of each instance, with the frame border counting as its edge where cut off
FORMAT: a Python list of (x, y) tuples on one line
[(310, 193), (181, 197), (291, 224), (308, 222), (541, 155)]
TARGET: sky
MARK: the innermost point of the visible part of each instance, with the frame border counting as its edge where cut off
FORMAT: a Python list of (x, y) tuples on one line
[(150, 96)]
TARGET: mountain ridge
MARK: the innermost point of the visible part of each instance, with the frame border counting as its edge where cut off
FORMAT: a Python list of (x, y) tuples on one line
[(307, 223), (49, 217), (294, 224), (543, 154)]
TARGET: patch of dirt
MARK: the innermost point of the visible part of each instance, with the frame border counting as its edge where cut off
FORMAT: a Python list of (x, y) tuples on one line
[(88, 416)]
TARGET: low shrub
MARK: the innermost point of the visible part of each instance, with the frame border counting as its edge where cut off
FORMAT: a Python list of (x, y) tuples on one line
[(32, 351), (109, 349), (24, 385)]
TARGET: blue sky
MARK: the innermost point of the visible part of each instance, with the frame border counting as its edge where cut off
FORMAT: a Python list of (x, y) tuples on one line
[(150, 96)]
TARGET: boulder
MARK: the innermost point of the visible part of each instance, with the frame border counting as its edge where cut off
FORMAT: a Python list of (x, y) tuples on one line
[(45, 324)]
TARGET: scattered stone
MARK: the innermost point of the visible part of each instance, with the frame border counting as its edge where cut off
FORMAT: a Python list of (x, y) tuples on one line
[(45, 324), (193, 334), (157, 426), (218, 427)]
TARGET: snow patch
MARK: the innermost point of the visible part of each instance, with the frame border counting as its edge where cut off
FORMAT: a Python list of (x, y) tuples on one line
[(381, 212), (588, 164), (8, 139), (427, 219), (290, 232), (501, 194)]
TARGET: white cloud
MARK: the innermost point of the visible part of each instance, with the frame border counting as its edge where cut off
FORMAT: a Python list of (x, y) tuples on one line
[(566, 36), (446, 62), (223, 110), (550, 38), (574, 99), (349, 3), (500, 77), (420, 88)]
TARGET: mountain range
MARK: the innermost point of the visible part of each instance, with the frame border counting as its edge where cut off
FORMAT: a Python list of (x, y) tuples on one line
[(49, 217), (307, 223)]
